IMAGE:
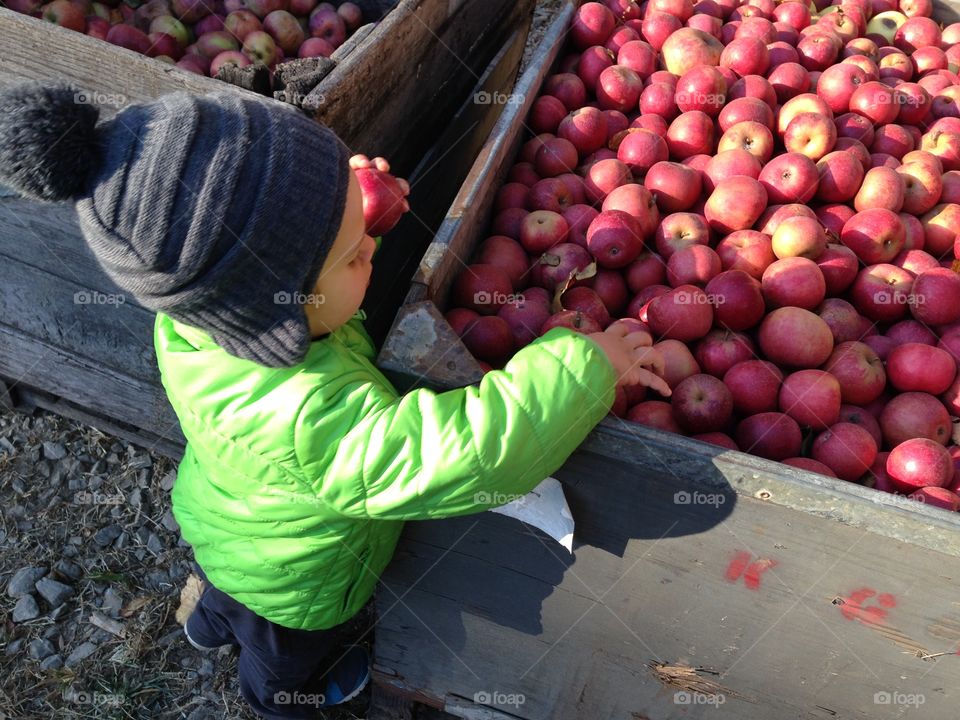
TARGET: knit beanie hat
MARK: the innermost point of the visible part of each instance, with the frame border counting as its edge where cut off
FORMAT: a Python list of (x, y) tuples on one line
[(211, 209)]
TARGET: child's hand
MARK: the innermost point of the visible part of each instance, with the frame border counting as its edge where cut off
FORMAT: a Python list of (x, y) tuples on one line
[(632, 357), (362, 161)]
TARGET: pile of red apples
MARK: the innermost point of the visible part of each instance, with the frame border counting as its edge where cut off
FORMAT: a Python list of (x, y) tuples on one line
[(772, 190), (201, 36)]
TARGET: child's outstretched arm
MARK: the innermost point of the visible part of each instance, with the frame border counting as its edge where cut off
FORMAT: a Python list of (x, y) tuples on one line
[(430, 455)]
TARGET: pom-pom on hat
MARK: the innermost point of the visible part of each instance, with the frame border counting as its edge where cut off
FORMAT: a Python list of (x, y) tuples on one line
[(213, 209)]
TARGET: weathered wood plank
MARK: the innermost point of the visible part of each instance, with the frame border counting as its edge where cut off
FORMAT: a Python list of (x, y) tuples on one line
[(433, 183), (47, 236), (37, 50), (103, 328), (34, 363), (172, 447), (471, 208), (482, 604), (450, 44)]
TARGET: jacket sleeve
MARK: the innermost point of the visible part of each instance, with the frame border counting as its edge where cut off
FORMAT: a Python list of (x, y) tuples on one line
[(431, 455)]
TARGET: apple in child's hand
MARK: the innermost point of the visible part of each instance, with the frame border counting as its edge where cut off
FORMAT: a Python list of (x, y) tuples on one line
[(384, 196)]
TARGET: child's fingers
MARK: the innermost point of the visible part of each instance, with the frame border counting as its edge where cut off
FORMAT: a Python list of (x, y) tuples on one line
[(654, 382), (650, 358), (638, 338), (404, 186), (618, 329), (641, 376), (381, 164), (359, 161)]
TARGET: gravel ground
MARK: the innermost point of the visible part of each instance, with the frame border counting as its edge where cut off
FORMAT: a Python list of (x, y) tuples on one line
[(91, 568)]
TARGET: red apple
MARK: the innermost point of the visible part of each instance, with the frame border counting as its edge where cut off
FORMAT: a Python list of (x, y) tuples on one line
[(862, 417), (680, 230), (592, 25), (838, 83), (754, 385), (790, 178), (919, 463), (678, 361), (483, 288), (637, 201), (754, 137), (656, 414), (737, 299), (876, 102), (618, 88), (793, 281), (675, 186), (551, 194), (921, 368), (586, 128), (770, 435), (941, 227), (604, 176), (691, 133), (614, 238), (593, 61), (847, 449), (746, 250), (795, 337), (840, 177), (913, 415), (542, 230), (702, 403), (687, 48), (811, 397), (859, 370), (684, 313), (735, 204), (875, 235), (572, 320), (842, 317)]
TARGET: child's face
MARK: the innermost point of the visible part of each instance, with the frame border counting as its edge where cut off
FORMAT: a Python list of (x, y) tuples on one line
[(345, 275)]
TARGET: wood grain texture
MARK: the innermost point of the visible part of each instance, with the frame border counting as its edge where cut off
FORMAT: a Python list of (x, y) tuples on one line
[(486, 604), (34, 50)]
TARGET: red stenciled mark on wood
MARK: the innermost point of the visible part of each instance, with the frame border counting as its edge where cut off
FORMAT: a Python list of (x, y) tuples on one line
[(857, 607), (751, 572)]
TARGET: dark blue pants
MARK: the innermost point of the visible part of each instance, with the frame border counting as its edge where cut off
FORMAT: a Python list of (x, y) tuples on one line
[(281, 670)]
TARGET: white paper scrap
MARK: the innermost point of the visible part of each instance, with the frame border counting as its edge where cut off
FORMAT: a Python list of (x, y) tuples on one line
[(544, 507)]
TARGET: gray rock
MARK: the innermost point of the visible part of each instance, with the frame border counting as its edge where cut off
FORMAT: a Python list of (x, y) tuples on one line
[(25, 609), (170, 522), (68, 569), (54, 662), (122, 541), (106, 535), (40, 649), (206, 667), (54, 450), (166, 482), (154, 545), (135, 498), (15, 646), (80, 653), (23, 580), (55, 593), (112, 602), (58, 612), (157, 579)]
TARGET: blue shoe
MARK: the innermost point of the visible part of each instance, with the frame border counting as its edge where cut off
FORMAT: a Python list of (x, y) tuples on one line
[(348, 677)]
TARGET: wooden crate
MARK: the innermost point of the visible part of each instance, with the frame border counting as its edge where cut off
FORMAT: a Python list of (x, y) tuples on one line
[(72, 343), (704, 583)]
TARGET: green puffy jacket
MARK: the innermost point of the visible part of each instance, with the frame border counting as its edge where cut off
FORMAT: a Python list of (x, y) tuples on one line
[(295, 481)]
